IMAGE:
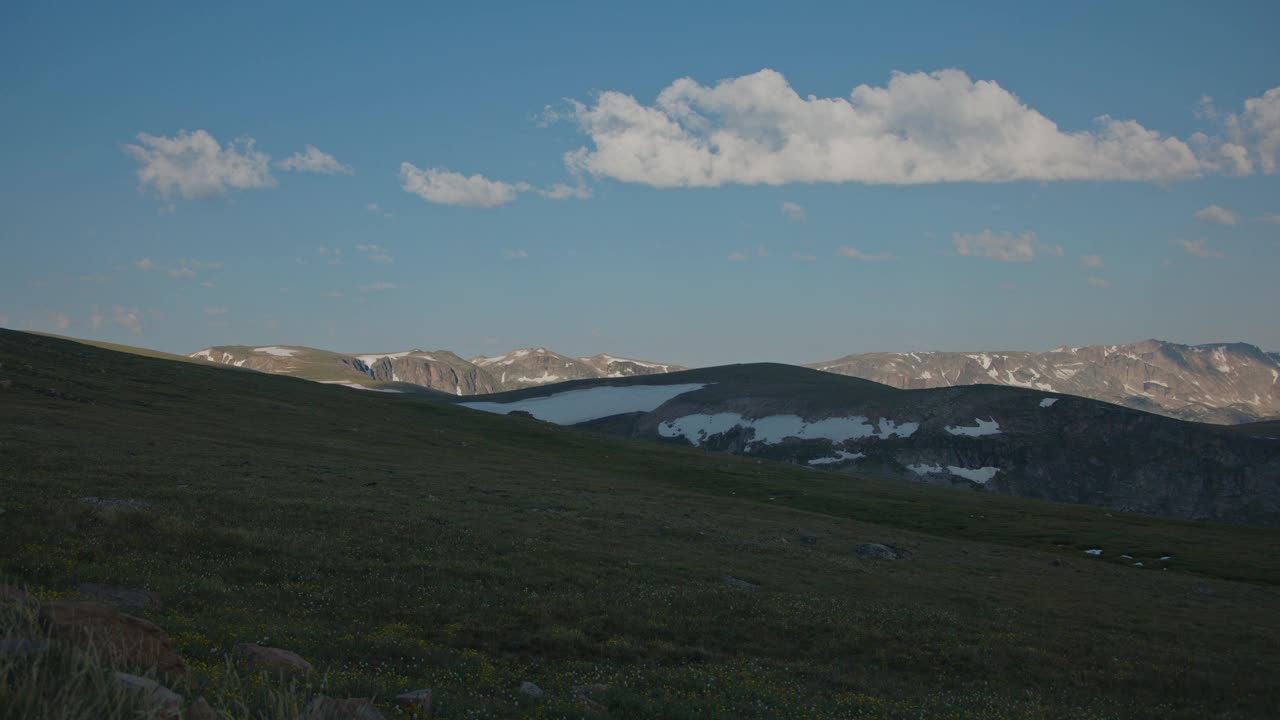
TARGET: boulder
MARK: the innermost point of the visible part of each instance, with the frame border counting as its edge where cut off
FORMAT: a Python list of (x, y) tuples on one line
[(200, 710), (528, 689), (740, 583), (271, 659), (325, 708), (126, 598), (125, 639), (416, 703), (161, 702), (875, 551)]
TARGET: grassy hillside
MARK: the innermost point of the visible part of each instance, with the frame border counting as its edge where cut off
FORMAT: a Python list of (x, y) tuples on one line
[(402, 543)]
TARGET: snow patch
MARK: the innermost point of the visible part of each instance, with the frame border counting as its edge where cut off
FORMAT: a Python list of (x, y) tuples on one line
[(277, 351), (542, 379), (371, 359), (981, 475), (841, 456), (205, 354), (984, 427), (922, 469), (1096, 552), (776, 428), (576, 406), (1048, 402)]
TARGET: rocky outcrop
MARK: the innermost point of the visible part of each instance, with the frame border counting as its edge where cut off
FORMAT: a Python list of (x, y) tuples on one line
[(270, 659), (1220, 383)]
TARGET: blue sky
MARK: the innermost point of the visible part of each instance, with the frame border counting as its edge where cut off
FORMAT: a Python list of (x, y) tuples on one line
[(495, 176)]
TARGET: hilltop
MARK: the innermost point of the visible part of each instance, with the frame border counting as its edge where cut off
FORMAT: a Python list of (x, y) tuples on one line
[(399, 542)]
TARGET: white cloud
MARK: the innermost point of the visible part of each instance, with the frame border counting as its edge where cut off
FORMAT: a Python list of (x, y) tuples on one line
[(515, 255), (856, 254), (804, 256), (4, 320), (1099, 282), (215, 311), (443, 187), (561, 191), (920, 128), (1216, 214), (332, 294), (96, 318), (183, 268), (1005, 247), (194, 165), (378, 287), (1091, 261), (1199, 248), (314, 161), (1271, 218), (738, 257), (126, 318), (207, 284), (793, 211), (59, 320)]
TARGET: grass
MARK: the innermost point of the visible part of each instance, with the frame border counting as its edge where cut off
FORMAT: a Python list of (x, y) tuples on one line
[(399, 544)]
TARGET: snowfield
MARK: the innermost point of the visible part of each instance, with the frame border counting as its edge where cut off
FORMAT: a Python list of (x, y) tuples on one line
[(576, 406), (776, 428), (984, 427), (841, 456), (1048, 402), (277, 351)]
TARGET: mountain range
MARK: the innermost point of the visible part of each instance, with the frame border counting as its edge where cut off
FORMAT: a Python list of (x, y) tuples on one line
[(1224, 383), (1002, 440)]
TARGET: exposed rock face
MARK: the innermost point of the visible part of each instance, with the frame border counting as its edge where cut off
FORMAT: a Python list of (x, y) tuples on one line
[(1224, 383), (438, 370), (161, 702)]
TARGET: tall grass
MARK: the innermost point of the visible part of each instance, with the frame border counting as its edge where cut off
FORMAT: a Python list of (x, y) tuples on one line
[(44, 678)]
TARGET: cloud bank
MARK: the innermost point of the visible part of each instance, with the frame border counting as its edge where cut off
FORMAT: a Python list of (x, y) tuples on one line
[(194, 165), (919, 128)]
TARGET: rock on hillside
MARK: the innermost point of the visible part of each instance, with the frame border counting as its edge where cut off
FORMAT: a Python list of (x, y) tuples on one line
[(1222, 383), (1005, 440), (437, 370), (528, 367)]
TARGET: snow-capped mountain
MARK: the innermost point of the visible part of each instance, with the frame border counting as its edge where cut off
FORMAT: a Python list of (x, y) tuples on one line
[(1003, 440), (1220, 383), (438, 370)]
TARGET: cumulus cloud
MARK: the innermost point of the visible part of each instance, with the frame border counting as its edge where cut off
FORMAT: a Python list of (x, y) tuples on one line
[(919, 128), (1091, 261), (194, 164), (443, 187), (378, 287), (59, 320), (793, 211), (1005, 247), (515, 255), (215, 311), (312, 160), (856, 254), (1271, 218), (1099, 282), (1216, 214), (561, 191), (1199, 248)]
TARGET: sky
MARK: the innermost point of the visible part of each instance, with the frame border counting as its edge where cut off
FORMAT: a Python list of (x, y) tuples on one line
[(684, 182)]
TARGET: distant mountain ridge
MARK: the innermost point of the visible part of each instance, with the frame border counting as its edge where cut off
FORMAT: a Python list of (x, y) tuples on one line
[(1223, 383), (439, 370)]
